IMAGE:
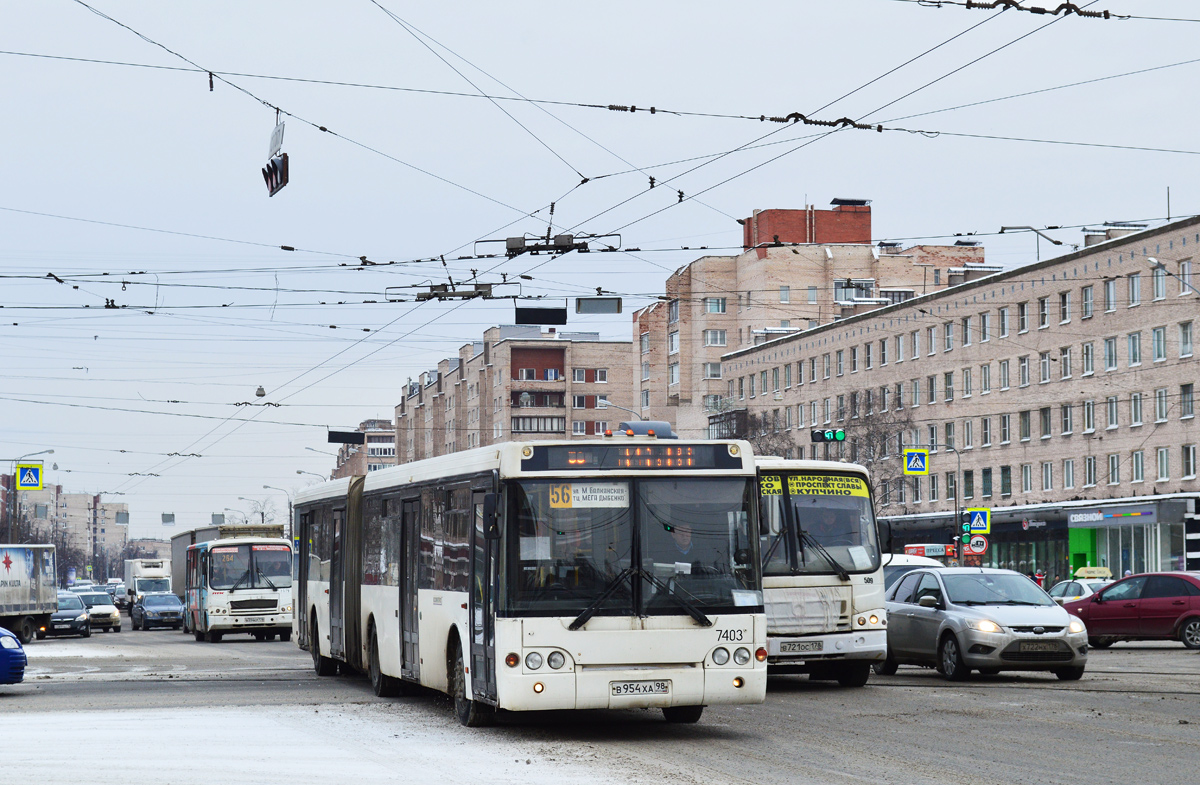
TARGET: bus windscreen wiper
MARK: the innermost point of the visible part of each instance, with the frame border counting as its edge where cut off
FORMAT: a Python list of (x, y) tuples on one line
[(819, 548), (628, 572), (238, 582), (265, 578), (691, 609)]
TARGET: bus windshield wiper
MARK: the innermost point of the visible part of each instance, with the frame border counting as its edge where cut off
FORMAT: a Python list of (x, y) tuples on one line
[(819, 548), (238, 582), (265, 578), (691, 609), (774, 546), (591, 610)]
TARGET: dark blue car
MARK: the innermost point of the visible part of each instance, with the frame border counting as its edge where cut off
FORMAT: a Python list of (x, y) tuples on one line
[(12, 658)]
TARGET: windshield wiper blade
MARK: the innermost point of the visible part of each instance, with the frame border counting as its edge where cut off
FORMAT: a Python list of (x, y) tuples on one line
[(837, 566), (265, 578), (591, 610), (238, 582), (766, 559), (691, 609)]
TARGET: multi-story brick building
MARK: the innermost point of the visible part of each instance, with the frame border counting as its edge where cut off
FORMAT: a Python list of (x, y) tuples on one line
[(517, 383), (378, 451), (1059, 394), (799, 269)]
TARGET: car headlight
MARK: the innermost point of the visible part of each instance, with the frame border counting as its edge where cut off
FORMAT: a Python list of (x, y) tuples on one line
[(985, 625), (9, 643), (1077, 625), (81, 617)]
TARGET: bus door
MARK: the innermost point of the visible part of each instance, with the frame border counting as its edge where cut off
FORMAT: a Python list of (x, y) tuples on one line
[(410, 544), (483, 606), (336, 574)]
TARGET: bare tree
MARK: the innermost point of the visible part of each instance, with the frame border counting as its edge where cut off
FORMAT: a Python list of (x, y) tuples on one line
[(766, 436), (875, 441), (262, 511)]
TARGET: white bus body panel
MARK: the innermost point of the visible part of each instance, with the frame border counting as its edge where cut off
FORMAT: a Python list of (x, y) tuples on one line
[(381, 605)]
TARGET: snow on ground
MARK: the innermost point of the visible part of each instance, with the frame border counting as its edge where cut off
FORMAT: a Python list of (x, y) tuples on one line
[(261, 745), (71, 649)]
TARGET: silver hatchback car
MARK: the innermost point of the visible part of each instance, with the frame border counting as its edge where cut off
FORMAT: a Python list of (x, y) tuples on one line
[(963, 618)]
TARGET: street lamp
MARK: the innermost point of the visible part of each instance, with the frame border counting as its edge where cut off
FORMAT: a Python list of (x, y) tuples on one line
[(608, 405), (314, 474), (237, 512), (262, 513), (1155, 265), (321, 452), (289, 498), (12, 492)]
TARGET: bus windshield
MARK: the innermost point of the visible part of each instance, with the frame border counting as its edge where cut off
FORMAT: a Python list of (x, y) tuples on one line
[(816, 523), (572, 545), (236, 567)]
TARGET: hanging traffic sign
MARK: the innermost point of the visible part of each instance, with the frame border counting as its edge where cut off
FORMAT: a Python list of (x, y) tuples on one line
[(916, 460), (29, 476), (978, 544), (979, 520)]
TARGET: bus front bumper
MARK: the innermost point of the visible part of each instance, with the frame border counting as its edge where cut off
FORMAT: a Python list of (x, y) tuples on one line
[(269, 622), (799, 652), (634, 687)]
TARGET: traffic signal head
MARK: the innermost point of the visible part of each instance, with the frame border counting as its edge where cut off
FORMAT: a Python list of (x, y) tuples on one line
[(830, 435), (275, 174), (966, 523)]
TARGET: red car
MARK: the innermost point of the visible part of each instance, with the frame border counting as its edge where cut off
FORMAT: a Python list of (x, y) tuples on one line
[(1152, 606)]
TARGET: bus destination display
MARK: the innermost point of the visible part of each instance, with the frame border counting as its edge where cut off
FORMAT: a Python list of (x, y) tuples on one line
[(632, 456)]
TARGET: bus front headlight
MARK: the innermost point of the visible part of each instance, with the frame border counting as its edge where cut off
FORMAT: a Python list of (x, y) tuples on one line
[(556, 660), (720, 656), (533, 660), (741, 656)]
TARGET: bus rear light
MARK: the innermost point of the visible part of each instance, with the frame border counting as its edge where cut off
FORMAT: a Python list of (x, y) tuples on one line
[(738, 681), (761, 654), (512, 660), (538, 687)]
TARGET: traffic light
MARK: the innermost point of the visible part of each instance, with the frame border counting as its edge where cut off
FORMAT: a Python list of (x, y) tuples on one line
[(275, 173), (831, 435)]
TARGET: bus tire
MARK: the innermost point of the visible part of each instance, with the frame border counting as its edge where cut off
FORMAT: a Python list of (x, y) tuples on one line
[(854, 674), (324, 666), (471, 713), (199, 636), (285, 636), (382, 685), (682, 714), (214, 636)]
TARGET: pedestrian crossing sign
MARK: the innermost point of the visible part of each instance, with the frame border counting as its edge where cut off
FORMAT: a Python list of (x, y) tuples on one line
[(979, 520), (916, 460), (29, 476)]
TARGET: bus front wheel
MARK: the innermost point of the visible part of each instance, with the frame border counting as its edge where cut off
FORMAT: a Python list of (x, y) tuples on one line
[(471, 713), (682, 713)]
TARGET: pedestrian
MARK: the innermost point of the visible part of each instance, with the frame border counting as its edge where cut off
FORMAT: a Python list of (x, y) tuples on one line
[(1128, 573)]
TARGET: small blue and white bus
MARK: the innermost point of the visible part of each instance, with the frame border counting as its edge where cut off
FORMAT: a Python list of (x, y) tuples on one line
[(239, 585)]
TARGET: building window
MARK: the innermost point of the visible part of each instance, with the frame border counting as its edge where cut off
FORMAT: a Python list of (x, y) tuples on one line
[(1111, 405), (841, 362), (673, 312), (949, 436), (1004, 374), (1064, 362), (841, 408), (1185, 277), (825, 365), (966, 331), (645, 371), (985, 327), (931, 339), (527, 374), (1086, 305), (712, 370), (966, 377), (645, 399), (968, 484), (1089, 471), (1135, 349), (578, 401), (915, 337), (1005, 428), (985, 379), (775, 379), (1045, 417), (1026, 428), (1185, 339), (1158, 343), (1003, 322), (601, 426), (1047, 476), (1110, 296), (1110, 354), (948, 385), (1160, 405), (812, 294), (1089, 359), (1159, 282), (1135, 409), (948, 336), (714, 304), (1114, 469), (883, 358), (1026, 477), (1006, 481), (1089, 416), (1164, 464), (787, 376), (1187, 401), (714, 337), (1043, 312), (579, 428), (868, 352), (673, 373), (645, 341), (968, 434), (854, 359), (985, 431), (578, 375), (1023, 371), (899, 395), (785, 294), (1044, 366), (1137, 466), (1069, 473), (916, 490), (932, 384), (1064, 307), (539, 424), (951, 486), (1135, 289), (1068, 419), (1022, 317), (601, 375), (916, 393), (673, 343), (985, 477), (933, 438), (1188, 458)]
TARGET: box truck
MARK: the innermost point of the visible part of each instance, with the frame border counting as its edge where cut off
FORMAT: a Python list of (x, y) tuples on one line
[(28, 594), (143, 576)]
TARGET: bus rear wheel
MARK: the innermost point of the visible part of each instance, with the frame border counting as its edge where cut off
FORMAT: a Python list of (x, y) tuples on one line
[(686, 714), (324, 666), (471, 713), (381, 684)]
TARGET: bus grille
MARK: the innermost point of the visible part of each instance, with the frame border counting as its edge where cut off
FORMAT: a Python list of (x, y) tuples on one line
[(249, 606), (808, 611)]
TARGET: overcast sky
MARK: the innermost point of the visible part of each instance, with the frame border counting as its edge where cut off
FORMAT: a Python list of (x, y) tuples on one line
[(407, 175)]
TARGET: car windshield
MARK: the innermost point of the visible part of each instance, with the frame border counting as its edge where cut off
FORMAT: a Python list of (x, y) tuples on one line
[(993, 588), (572, 545), (266, 566), (161, 601), (70, 603), (816, 523), (147, 585), (92, 600)]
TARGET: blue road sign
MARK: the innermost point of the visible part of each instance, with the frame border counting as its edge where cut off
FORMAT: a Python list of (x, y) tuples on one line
[(979, 520), (29, 476), (916, 460)]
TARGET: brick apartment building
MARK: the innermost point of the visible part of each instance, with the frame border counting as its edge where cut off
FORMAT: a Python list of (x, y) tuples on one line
[(98, 528), (799, 269), (1060, 394), (377, 452), (518, 383)]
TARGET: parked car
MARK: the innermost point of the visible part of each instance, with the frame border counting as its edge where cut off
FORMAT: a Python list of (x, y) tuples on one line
[(102, 613), (156, 610), (896, 565), (71, 618), (1151, 606), (1066, 591), (957, 619), (12, 658)]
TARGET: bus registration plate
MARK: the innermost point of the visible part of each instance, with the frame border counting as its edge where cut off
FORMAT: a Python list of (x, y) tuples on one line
[(254, 619), (798, 647), (657, 687)]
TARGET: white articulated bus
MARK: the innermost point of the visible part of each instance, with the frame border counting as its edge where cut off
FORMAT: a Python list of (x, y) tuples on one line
[(822, 579), (620, 573)]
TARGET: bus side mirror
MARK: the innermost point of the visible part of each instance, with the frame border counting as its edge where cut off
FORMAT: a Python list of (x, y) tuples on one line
[(491, 524), (884, 530)]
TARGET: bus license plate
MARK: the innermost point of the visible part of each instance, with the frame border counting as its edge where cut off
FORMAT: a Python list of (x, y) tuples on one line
[(640, 687), (1039, 646), (254, 619), (798, 647)]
